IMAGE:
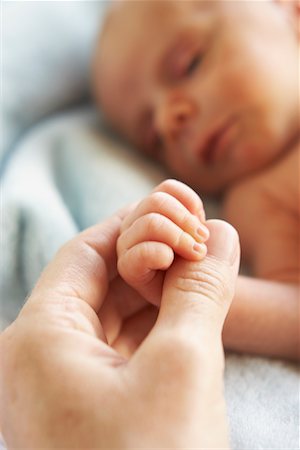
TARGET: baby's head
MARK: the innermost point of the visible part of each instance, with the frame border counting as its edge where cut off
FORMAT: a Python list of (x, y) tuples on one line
[(208, 87)]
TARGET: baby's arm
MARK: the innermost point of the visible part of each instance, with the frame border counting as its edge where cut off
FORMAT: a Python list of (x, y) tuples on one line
[(264, 317), (169, 221)]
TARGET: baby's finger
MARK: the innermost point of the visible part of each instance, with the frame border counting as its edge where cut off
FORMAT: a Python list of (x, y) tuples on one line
[(155, 227), (168, 206), (186, 195), (140, 267)]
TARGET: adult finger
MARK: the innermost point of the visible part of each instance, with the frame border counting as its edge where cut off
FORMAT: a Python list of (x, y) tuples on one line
[(197, 295), (83, 267), (196, 298), (183, 357)]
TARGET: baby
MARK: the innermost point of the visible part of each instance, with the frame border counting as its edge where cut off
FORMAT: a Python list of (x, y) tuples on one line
[(210, 89)]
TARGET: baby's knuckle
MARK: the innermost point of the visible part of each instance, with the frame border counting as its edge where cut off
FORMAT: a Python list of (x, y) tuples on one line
[(196, 203), (125, 222), (157, 200), (122, 266), (199, 203), (120, 245), (166, 184), (145, 250), (154, 223), (182, 239), (186, 217)]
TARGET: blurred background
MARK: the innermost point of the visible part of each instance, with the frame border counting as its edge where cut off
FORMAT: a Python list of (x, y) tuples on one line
[(46, 51), (61, 168)]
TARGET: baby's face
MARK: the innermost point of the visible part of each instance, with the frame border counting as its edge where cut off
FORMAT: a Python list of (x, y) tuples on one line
[(208, 87)]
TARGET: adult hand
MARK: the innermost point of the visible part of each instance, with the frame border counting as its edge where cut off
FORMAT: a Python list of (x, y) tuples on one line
[(77, 372)]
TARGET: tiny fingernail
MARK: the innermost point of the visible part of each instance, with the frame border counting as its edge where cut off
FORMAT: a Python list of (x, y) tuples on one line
[(200, 248), (203, 232), (201, 215)]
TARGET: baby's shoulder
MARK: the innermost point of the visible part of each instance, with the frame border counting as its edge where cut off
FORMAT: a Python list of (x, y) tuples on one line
[(281, 181), (265, 207), (276, 186), (245, 205), (247, 197)]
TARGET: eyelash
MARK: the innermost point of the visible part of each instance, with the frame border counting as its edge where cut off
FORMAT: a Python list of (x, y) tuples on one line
[(193, 65)]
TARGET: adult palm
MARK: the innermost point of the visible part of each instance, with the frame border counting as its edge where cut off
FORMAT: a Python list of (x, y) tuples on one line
[(62, 385)]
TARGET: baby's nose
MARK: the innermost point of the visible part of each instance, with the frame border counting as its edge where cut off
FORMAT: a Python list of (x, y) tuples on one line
[(174, 116)]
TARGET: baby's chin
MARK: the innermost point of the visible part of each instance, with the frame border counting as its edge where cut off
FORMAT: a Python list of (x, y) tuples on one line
[(215, 182), (205, 185)]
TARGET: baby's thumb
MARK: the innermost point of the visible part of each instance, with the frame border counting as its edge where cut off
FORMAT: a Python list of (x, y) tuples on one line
[(197, 295)]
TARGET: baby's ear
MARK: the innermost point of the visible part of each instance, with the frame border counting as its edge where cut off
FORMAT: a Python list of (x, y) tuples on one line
[(292, 11)]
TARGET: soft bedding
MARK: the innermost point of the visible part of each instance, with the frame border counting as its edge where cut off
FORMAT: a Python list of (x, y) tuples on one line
[(62, 170)]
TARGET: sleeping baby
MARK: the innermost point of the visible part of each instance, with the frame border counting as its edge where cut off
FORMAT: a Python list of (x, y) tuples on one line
[(211, 90)]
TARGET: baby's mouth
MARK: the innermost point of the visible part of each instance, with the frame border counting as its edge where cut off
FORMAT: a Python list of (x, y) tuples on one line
[(215, 144)]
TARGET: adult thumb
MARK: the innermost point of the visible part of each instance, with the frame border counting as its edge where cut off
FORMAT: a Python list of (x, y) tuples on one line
[(181, 362), (197, 295)]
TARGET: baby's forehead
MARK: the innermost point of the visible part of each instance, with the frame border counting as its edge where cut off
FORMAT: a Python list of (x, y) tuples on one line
[(132, 24), (130, 18), (136, 28), (130, 36)]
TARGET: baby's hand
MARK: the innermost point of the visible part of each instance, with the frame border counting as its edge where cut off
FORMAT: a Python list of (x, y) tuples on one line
[(169, 221)]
